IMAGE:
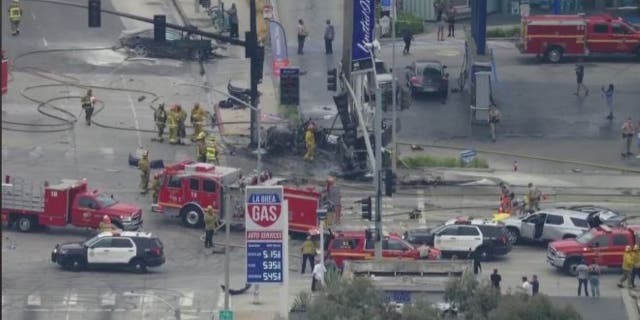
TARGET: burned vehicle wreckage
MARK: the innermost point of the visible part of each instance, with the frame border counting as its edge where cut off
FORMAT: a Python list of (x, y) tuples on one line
[(343, 138)]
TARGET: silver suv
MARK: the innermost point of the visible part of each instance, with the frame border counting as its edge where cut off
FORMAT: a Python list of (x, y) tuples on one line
[(547, 225)]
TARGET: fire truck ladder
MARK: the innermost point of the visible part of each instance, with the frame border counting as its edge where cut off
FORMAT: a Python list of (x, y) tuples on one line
[(20, 194)]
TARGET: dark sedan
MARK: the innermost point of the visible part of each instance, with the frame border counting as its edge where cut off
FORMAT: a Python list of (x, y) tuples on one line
[(178, 45), (428, 76)]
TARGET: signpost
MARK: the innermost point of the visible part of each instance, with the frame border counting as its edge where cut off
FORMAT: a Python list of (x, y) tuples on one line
[(266, 216), (5, 75), (468, 155)]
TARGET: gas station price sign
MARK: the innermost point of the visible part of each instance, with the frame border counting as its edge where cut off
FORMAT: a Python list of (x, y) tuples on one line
[(265, 233)]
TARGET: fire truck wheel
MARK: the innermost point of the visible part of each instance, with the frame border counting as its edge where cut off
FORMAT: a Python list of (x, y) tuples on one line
[(554, 54), (192, 216), (25, 224)]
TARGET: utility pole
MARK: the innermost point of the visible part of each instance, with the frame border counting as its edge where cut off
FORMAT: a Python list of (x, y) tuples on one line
[(394, 86), (253, 51), (378, 170), (227, 230)]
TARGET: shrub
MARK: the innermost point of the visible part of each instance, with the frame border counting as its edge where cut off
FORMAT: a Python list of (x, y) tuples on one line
[(426, 161), (503, 32)]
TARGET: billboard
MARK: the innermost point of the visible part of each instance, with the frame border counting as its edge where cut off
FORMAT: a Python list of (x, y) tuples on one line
[(363, 33)]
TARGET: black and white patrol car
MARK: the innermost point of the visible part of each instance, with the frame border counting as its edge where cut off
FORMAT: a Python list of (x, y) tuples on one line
[(134, 250), (486, 238)]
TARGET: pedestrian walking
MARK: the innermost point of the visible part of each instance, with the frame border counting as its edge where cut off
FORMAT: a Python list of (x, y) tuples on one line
[(535, 285), (407, 36), (628, 259), (526, 286), (329, 34), (145, 170), (534, 194), (636, 265), (451, 20), (496, 278), (302, 35), (477, 267), (385, 24), (594, 279), (15, 16), (308, 253), (317, 276), (88, 104), (160, 117), (582, 274), (627, 135), (579, 79), (607, 94), (211, 222), (494, 119), (438, 6), (233, 21)]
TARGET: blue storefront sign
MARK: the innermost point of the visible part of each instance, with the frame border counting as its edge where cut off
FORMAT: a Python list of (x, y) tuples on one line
[(397, 296), (363, 26), (468, 155), (264, 262)]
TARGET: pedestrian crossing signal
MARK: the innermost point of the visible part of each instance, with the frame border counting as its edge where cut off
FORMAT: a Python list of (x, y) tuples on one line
[(205, 3), (389, 183), (366, 209), (94, 13)]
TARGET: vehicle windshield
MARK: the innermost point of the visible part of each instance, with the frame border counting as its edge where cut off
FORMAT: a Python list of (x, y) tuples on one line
[(586, 237), (105, 201), (90, 241)]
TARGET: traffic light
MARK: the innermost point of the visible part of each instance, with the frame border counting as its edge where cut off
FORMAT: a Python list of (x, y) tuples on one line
[(94, 14), (366, 209), (332, 80), (389, 182), (342, 105), (290, 86), (159, 28), (205, 3)]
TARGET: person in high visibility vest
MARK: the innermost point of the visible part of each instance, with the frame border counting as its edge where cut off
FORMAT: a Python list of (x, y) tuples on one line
[(201, 147), (172, 124), (310, 139), (160, 117), (197, 120), (212, 152), (145, 170), (15, 15)]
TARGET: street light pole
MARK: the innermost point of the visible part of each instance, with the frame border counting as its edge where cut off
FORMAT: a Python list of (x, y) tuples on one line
[(394, 145), (377, 177)]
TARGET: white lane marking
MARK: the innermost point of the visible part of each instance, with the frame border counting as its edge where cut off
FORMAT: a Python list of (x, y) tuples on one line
[(108, 299), (34, 300), (135, 115), (46, 44), (187, 299), (71, 299)]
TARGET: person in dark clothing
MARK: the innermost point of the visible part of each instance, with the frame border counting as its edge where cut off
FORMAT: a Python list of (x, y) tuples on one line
[(535, 285), (407, 36), (579, 78), (233, 21), (477, 267), (327, 240), (495, 279), (329, 34), (538, 227), (451, 20)]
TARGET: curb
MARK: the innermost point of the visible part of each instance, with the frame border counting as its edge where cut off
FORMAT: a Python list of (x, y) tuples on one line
[(527, 156)]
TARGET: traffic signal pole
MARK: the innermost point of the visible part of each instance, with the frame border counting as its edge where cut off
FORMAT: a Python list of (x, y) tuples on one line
[(253, 42)]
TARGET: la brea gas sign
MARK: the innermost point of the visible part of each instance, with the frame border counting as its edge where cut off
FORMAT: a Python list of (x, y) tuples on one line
[(264, 210)]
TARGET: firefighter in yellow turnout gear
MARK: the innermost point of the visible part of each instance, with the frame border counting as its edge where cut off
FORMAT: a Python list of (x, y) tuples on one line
[(145, 170), (15, 16), (310, 140), (201, 147), (197, 120), (211, 150), (172, 124)]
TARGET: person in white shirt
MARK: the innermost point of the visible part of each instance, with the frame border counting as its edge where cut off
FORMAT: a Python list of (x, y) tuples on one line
[(317, 276), (424, 251), (526, 286)]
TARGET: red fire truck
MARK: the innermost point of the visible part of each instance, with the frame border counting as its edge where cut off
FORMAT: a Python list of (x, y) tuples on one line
[(188, 187), (4, 75), (556, 36), (28, 205)]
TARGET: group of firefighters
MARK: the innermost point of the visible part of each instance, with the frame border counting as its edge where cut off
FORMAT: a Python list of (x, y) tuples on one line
[(509, 205)]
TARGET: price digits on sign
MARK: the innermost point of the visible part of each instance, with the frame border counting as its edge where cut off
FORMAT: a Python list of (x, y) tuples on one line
[(271, 254), (271, 276)]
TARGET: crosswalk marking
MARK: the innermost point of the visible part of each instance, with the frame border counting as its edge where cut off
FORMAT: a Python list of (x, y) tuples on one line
[(70, 299), (108, 299), (34, 300), (187, 299)]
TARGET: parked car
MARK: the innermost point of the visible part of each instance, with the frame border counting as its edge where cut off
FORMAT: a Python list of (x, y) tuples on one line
[(486, 239), (133, 250), (604, 244), (178, 45), (428, 76), (354, 245), (557, 224)]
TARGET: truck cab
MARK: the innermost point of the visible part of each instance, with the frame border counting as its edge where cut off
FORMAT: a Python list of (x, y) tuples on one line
[(90, 207), (611, 36), (604, 245)]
